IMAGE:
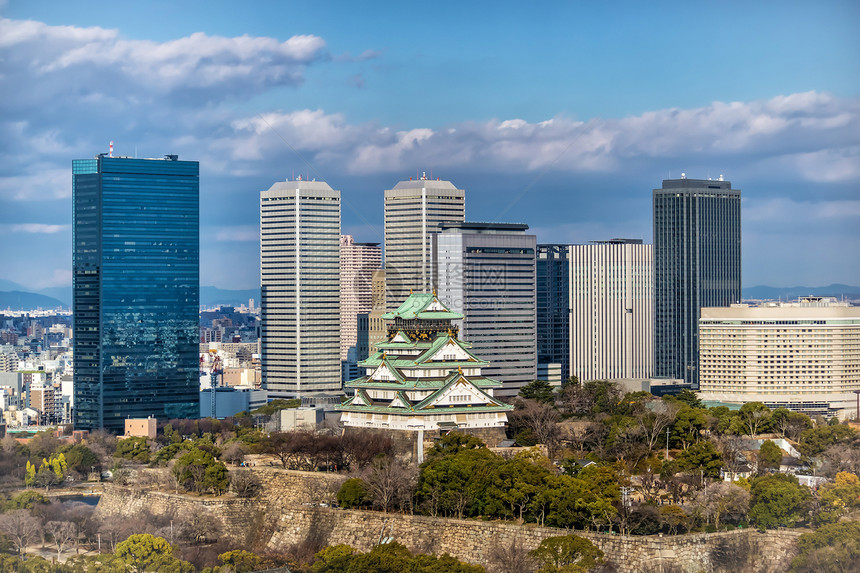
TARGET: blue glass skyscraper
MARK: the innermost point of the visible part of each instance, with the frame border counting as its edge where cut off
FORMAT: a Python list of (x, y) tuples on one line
[(697, 263), (136, 289)]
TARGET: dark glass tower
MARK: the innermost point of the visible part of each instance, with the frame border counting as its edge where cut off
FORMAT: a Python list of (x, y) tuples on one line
[(553, 306), (697, 263), (136, 289)]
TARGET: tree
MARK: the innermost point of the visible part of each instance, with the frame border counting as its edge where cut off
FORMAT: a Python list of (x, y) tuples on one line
[(689, 398), (62, 532), (654, 421), (753, 418), (790, 424), (769, 455), (703, 458), (687, 427), (778, 500), (834, 547), (25, 500), (389, 483), (817, 440), (145, 552), (538, 390), (540, 418), (353, 493), (133, 448), (838, 497), (721, 501), (673, 517), (567, 553), (245, 483), (199, 471), (234, 452), (508, 555), (81, 459), (241, 561), (20, 527)]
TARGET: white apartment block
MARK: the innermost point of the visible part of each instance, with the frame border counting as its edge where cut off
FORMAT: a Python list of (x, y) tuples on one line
[(611, 310), (413, 211), (804, 356), (300, 287), (358, 262)]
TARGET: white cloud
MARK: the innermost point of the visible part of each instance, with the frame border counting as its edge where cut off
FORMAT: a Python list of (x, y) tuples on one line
[(235, 233), (41, 228)]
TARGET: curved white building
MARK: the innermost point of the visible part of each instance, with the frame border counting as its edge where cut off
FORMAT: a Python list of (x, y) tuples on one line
[(804, 356)]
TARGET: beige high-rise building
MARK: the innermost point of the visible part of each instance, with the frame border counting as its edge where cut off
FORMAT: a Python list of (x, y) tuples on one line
[(377, 329), (611, 310), (413, 211), (300, 292), (358, 262), (804, 355)]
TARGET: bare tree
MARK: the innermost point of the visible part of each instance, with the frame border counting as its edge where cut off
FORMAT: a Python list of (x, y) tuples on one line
[(198, 527), (655, 419), (20, 527), (510, 556), (233, 453), (245, 483), (63, 533), (722, 500), (541, 419), (389, 483)]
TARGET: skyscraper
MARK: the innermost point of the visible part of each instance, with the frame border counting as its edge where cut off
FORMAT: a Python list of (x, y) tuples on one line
[(611, 310), (697, 263), (486, 271), (413, 211), (358, 262), (553, 306), (300, 289), (136, 289)]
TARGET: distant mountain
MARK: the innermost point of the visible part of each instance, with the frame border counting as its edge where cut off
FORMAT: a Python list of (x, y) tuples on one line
[(63, 293), (793, 293), (19, 300), (6, 285), (214, 296)]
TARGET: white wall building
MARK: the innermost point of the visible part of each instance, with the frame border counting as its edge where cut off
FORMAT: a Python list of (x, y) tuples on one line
[(611, 310), (804, 356), (299, 278)]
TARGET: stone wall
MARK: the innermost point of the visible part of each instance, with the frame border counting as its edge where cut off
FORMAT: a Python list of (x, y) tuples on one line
[(473, 540), (285, 514)]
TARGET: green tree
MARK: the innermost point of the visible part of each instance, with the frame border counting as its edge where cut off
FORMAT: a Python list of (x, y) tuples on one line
[(25, 500), (353, 493), (778, 500), (145, 552), (769, 455), (81, 459), (687, 427), (753, 418), (199, 471), (135, 449), (701, 458), (241, 561), (816, 440), (834, 547), (568, 554), (689, 398), (539, 391), (456, 483), (333, 559)]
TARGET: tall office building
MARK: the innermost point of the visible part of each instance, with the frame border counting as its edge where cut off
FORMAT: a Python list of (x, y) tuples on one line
[(300, 288), (697, 263), (486, 271), (136, 289), (358, 262), (413, 211), (553, 307), (611, 310)]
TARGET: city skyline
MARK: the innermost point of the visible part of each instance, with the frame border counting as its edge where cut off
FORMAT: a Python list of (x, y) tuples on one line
[(563, 117)]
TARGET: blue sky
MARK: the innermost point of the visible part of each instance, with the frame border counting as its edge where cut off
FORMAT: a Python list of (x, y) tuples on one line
[(561, 115)]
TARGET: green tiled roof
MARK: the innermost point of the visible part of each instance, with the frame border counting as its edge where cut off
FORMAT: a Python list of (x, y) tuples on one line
[(431, 411), (413, 307)]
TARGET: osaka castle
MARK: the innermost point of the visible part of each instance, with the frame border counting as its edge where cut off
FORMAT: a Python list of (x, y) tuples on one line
[(425, 379)]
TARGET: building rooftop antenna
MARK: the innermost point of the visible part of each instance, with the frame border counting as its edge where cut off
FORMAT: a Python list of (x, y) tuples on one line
[(110, 150)]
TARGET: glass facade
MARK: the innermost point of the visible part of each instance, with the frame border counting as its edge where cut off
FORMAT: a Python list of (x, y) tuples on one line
[(136, 289), (553, 306), (697, 263)]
